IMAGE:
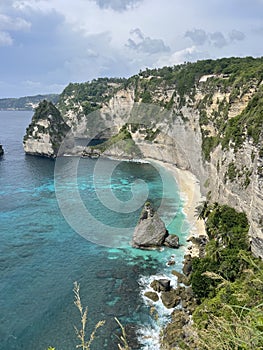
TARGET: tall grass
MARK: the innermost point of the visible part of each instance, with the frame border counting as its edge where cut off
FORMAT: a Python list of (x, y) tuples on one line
[(81, 333), (243, 330)]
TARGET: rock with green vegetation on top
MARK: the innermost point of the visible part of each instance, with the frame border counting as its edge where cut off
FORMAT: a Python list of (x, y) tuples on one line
[(46, 131)]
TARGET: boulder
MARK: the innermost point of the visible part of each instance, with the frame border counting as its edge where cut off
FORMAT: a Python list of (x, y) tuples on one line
[(151, 295), (170, 262), (181, 278), (187, 268), (172, 241), (161, 285), (170, 299), (150, 231)]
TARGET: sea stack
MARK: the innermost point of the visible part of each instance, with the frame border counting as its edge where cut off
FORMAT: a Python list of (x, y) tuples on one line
[(151, 232), (46, 132)]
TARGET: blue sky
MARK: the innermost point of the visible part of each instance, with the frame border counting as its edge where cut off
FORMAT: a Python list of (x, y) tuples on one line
[(45, 44)]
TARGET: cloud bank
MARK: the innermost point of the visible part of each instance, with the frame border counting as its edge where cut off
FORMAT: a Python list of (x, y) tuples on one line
[(46, 44)]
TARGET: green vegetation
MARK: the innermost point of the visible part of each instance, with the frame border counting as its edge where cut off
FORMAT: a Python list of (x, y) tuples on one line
[(57, 129), (208, 144), (123, 140), (228, 284), (248, 124), (241, 331), (151, 134), (25, 103), (89, 95), (234, 71)]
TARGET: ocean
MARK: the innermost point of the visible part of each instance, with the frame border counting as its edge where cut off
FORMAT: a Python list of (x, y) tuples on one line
[(58, 226)]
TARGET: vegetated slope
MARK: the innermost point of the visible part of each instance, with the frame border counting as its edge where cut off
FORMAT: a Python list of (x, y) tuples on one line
[(227, 284)]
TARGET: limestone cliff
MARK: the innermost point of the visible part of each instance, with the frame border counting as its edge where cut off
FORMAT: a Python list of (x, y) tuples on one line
[(206, 117), (46, 132)]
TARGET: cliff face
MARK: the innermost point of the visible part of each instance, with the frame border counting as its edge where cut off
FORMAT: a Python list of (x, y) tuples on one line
[(204, 117), (46, 132)]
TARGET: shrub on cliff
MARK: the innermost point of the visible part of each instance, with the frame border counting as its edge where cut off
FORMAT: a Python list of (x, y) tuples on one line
[(228, 283)]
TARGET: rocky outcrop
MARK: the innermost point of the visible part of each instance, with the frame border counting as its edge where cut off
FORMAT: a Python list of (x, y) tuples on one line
[(161, 285), (1, 151), (45, 134), (152, 296), (170, 299), (151, 232), (172, 241)]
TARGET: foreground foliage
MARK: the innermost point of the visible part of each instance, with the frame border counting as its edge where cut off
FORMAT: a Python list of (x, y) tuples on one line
[(81, 333), (228, 284)]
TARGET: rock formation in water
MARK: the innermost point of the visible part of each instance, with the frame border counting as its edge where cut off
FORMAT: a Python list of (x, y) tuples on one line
[(1, 151), (151, 232), (205, 117), (46, 132)]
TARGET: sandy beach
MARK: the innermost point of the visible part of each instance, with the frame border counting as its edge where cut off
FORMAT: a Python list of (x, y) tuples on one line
[(190, 193)]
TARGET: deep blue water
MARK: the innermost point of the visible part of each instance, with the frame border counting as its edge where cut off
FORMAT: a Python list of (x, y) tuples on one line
[(43, 250)]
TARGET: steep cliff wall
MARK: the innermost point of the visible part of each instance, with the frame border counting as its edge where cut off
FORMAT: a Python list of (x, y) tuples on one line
[(205, 117)]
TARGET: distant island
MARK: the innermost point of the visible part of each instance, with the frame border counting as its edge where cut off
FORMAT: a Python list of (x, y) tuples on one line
[(27, 103)]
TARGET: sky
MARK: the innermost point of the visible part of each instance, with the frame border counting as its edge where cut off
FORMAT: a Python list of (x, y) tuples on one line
[(45, 44)]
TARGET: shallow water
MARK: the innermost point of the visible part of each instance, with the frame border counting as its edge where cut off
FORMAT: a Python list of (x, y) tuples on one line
[(42, 255)]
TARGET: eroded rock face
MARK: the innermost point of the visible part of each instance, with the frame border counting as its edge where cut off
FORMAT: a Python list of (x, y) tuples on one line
[(150, 231), (46, 132)]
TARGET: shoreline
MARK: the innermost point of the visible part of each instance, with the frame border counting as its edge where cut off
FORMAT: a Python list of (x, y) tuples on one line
[(190, 193)]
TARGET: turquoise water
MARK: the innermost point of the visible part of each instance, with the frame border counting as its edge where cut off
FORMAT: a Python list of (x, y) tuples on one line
[(43, 252)]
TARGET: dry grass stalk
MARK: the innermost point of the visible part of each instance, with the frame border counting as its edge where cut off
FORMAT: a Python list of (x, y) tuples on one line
[(81, 333), (123, 337)]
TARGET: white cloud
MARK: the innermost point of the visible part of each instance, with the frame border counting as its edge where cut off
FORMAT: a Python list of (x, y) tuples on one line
[(236, 35), (218, 39), (145, 44), (180, 56), (5, 39), (198, 36), (117, 5), (13, 24), (57, 41)]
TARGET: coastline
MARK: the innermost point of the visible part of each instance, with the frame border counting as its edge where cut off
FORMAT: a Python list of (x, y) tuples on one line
[(190, 193)]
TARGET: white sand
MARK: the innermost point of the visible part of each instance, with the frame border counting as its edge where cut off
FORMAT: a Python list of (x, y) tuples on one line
[(190, 192)]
